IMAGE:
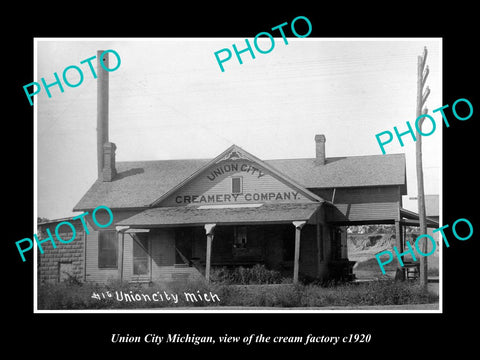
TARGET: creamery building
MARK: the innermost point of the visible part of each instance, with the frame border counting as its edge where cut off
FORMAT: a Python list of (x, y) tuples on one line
[(179, 219)]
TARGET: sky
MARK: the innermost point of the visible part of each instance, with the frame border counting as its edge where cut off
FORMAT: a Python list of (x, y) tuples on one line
[(170, 100)]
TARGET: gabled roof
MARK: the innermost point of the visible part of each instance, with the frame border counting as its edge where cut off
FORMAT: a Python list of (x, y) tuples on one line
[(235, 152), (138, 184)]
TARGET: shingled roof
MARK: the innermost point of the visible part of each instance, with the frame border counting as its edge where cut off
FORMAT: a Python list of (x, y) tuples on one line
[(139, 183), (371, 170), (274, 213)]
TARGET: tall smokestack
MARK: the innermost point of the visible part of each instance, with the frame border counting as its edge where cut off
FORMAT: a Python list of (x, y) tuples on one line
[(320, 149), (102, 109)]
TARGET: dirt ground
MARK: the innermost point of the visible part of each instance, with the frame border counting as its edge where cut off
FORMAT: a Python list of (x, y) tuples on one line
[(367, 267), (363, 247)]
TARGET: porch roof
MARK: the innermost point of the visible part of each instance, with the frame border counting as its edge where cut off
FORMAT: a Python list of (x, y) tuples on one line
[(193, 215), (413, 219)]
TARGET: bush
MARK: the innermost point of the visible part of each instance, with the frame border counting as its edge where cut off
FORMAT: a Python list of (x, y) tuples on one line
[(257, 274)]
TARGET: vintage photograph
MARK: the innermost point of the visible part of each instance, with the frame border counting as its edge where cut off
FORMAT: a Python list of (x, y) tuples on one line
[(284, 181)]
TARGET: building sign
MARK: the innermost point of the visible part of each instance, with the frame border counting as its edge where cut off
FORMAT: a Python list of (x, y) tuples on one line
[(235, 180), (240, 198), (229, 168)]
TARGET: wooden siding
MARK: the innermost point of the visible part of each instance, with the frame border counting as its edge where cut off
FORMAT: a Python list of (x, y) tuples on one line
[(367, 194), (103, 217), (362, 204), (364, 212), (92, 272), (127, 257), (220, 184)]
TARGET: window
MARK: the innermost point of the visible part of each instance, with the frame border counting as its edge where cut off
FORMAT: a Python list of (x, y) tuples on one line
[(107, 249), (237, 185), (140, 255), (240, 237)]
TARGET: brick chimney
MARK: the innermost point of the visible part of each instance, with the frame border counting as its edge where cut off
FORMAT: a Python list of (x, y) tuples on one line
[(109, 171), (105, 149), (320, 149)]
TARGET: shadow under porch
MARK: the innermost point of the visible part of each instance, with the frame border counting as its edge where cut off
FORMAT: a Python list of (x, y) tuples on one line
[(190, 238), (242, 245), (180, 253)]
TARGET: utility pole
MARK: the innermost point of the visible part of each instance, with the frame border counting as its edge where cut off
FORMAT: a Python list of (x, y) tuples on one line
[(422, 75)]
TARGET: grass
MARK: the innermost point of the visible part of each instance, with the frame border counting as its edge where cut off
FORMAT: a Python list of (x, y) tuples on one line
[(62, 296), (369, 293), (79, 296)]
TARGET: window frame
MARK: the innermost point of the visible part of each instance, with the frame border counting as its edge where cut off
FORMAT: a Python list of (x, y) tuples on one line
[(240, 178), (103, 249), (238, 231)]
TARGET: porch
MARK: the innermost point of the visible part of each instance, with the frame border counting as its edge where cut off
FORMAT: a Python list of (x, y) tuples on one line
[(220, 236)]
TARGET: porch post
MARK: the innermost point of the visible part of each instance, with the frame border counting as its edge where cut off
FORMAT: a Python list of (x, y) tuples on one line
[(209, 229), (298, 228), (120, 267), (121, 229), (399, 241)]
